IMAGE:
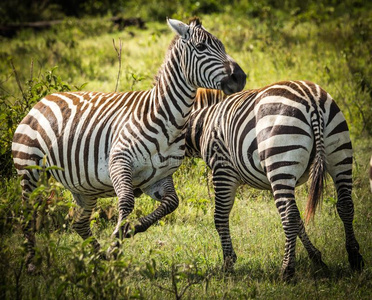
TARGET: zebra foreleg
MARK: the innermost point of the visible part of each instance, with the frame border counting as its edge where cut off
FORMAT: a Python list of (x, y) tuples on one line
[(225, 188), (29, 227), (162, 191), (121, 175), (120, 168), (29, 183), (82, 214)]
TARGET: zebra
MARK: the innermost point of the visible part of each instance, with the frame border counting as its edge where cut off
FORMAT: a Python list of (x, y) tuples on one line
[(123, 144), (275, 138)]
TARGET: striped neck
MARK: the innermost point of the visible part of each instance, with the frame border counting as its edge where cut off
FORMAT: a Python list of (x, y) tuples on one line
[(173, 97)]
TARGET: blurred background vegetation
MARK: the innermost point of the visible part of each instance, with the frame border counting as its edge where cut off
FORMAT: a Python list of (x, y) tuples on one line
[(71, 48), (17, 11)]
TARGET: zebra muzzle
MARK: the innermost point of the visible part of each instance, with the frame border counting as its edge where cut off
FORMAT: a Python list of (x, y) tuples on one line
[(235, 81)]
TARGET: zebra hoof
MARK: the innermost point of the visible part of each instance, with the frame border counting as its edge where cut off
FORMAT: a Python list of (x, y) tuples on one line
[(228, 264), (323, 268), (356, 261), (31, 269), (128, 231), (288, 274), (321, 264), (318, 262), (113, 251)]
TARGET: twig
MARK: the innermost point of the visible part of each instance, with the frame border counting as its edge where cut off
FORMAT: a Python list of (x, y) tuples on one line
[(118, 52), (30, 82), (174, 282), (207, 180), (17, 275), (32, 70), (2, 82), (17, 80)]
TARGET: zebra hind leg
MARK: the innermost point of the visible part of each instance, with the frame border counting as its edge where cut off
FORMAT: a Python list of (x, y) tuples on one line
[(162, 191), (28, 184), (290, 217), (314, 254), (225, 188), (345, 209), (340, 168), (83, 212), (29, 228)]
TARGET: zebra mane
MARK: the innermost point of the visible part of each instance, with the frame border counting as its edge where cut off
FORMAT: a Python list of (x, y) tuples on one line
[(170, 47), (194, 22)]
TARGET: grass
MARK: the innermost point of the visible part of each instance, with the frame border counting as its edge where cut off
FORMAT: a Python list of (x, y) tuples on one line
[(182, 252), (187, 240)]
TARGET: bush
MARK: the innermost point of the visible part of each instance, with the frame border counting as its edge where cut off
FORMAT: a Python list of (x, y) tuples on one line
[(13, 109)]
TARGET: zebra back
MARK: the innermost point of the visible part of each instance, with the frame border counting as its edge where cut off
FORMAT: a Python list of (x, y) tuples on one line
[(244, 120), (207, 97)]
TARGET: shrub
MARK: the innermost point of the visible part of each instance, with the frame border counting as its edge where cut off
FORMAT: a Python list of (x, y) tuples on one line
[(13, 109)]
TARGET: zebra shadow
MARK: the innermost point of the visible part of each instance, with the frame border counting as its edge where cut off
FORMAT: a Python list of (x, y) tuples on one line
[(306, 271)]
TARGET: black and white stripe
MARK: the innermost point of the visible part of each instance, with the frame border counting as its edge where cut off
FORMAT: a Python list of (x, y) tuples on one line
[(274, 138), (123, 143)]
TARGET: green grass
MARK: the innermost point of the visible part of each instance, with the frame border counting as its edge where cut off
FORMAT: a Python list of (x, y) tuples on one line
[(187, 240), (184, 246)]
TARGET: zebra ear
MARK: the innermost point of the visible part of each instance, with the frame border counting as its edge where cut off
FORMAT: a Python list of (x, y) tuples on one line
[(180, 28)]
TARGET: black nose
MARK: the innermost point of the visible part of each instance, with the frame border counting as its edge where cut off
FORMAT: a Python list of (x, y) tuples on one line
[(238, 76), (235, 81)]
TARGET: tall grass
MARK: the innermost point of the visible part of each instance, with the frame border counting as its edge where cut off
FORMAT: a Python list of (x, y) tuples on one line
[(181, 257)]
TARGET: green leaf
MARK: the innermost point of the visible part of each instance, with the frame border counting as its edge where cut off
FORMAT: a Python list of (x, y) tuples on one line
[(79, 88), (54, 168), (35, 167)]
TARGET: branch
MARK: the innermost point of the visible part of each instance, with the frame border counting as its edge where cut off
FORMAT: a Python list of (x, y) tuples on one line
[(118, 52), (207, 181), (17, 80)]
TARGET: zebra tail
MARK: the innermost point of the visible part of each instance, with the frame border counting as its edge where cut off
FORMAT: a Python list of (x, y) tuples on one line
[(318, 168)]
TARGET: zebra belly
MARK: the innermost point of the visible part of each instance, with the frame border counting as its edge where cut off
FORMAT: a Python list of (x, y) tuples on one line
[(149, 170), (244, 156), (97, 181), (251, 172), (94, 180)]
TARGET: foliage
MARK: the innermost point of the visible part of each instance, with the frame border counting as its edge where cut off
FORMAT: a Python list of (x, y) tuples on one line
[(328, 43), (187, 274), (182, 255), (151, 10), (14, 108)]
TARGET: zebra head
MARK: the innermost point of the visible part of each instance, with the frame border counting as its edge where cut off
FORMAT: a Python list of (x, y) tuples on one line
[(204, 61)]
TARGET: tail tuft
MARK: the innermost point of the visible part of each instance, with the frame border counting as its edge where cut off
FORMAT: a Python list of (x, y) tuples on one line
[(318, 172)]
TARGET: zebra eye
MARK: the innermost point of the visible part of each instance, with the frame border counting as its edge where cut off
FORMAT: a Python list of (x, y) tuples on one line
[(201, 47)]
